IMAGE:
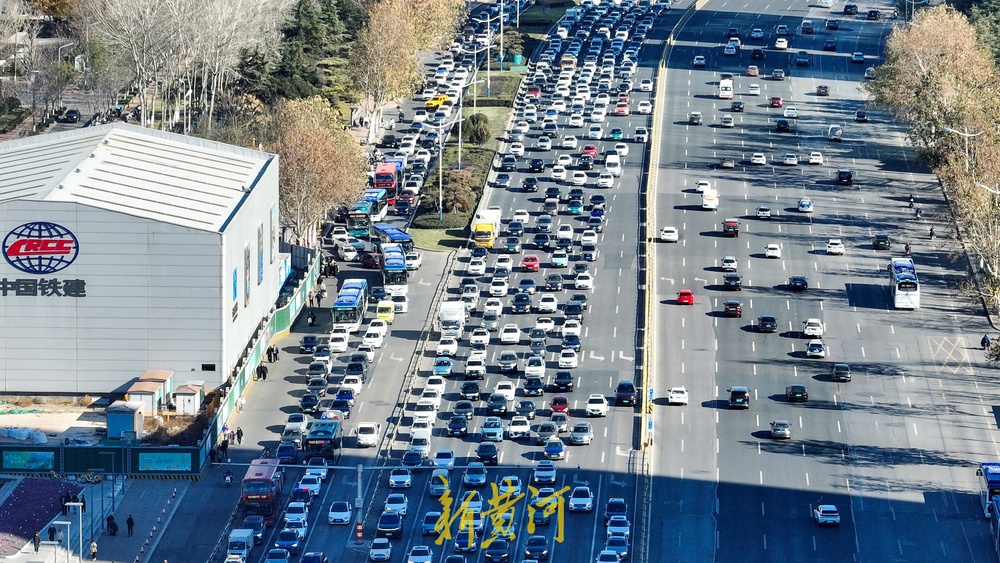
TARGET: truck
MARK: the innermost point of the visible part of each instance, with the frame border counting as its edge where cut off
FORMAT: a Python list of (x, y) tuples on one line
[(451, 319), (710, 199), (731, 227), (486, 226), (240, 544)]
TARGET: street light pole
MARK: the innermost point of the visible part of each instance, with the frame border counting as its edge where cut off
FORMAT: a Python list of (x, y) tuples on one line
[(79, 517), (966, 135), (114, 478), (67, 524)]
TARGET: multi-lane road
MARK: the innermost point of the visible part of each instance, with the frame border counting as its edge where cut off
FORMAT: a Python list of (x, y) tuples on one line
[(896, 448)]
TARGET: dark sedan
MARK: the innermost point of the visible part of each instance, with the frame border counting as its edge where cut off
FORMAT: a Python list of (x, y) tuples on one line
[(798, 283), (767, 323), (796, 393)]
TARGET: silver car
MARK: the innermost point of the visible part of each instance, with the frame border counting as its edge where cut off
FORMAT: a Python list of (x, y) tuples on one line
[(582, 434)]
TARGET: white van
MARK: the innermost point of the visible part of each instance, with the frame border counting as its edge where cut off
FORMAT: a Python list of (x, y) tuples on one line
[(726, 90), (613, 164), (710, 199)]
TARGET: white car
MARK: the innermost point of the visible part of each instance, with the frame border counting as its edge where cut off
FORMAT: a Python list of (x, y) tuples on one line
[(379, 325), (397, 502), (581, 499), (568, 359), (548, 324), (503, 261), (432, 395), (368, 434), (564, 160), (621, 149), (414, 260), (815, 157), (596, 132), (338, 344), (517, 149), (534, 367), (805, 205), (815, 349), (677, 396), (756, 33), (507, 389), (576, 120), (521, 215), (644, 108), (729, 50), (569, 142), (480, 336), (781, 44), (729, 264), (813, 327), (790, 159), (835, 246), (754, 90), (341, 512), (548, 304), (447, 346), (669, 234), (510, 334), (420, 554), (435, 383), (499, 288), (758, 158), (564, 231), (646, 85), (493, 305), (584, 280), (702, 185), (764, 212), (519, 427), (477, 267), (354, 383), (558, 173), (598, 115), (791, 112), (312, 483), (571, 327), (772, 250), (579, 178), (380, 550), (368, 351), (727, 122), (588, 236), (597, 405), (373, 338), (605, 180)]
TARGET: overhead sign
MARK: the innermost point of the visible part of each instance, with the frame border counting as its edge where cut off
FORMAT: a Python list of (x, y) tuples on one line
[(40, 248)]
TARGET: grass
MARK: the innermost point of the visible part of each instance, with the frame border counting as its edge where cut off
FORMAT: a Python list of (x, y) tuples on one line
[(439, 239), (503, 85)]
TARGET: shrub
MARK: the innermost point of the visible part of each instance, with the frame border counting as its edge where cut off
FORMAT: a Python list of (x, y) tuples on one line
[(479, 133)]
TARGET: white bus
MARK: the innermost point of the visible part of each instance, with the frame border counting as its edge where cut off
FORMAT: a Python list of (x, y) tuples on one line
[(726, 89), (905, 286)]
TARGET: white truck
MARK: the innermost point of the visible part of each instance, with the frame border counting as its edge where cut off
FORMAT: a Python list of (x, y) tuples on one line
[(240, 544), (451, 319)]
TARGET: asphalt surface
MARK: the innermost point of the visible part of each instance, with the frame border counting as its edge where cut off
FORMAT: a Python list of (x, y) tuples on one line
[(895, 450)]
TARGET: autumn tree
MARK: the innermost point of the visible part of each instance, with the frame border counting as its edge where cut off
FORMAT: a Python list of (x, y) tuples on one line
[(321, 165)]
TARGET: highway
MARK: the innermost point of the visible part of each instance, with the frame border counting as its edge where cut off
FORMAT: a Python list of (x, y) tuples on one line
[(895, 449)]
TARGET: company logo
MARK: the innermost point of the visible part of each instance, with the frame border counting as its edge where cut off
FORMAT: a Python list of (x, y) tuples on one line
[(40, 248)]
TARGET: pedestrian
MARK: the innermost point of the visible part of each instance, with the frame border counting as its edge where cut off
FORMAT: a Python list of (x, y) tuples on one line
[(59, 536), (224, 446), (985, 342), (336, 269), (52, 533), (62, 503), (319, 299), (263, 375), (277, 352), (242, 401), (239, 435), (83, 503), (269, 354), (93, 550), (232, 436), (130, 524), (109, 521), (211, 456), (36, 541)]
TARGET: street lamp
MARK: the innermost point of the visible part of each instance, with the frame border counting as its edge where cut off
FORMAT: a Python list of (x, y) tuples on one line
[(114, 478), (79, 516), (59, 51), (461, 106), (912, 4), (967, 136), (67, 524), (442, 129)]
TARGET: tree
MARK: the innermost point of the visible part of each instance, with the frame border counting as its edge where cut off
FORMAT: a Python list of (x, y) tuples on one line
[(513, 44), (459, 195), (478, 133), (321, 165)]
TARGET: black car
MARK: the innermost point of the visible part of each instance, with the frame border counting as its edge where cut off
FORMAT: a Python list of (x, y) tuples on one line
[(542, 241), (496, 404), (796, 393), (739, 398), (782, 126), (471, 390), (589, 252), (308, 344), (498, 551), (802, 58), (582, 299), (625, 393), (553, 191), (563, 381), (830, 45), (598, 201), (536, 548), (458, 426), (736, 106), (526, 408), (487, 453), (522, 303), (390, 524), (732, 32), (309, 402), (412, 460), (357, 368), (732, 309), (571, 342), (586, 162), (840, 372), (529, 184), (536, 165), (873, 15), (480, 252), (615, 507), (767, 323), (378, 293), (389, 142), (757, 54), (845, 177), (73, 116), (595, 223), (533, 387), (881, 242), (403, 207), (850, 9), (314, 557), (861, 116), (508, 164), (419, 168), (573, 311), (798, 283), (553, 282), (257, 524), (575, 193), (342, 405), (515, 228), (464, 408), (732, 281), (833, 24)]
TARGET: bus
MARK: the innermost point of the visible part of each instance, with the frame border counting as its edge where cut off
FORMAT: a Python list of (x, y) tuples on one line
[(726, 89), (379, 198), (326, 438), (351, 305), (383, 233), (989, 485), (394, 273), (260, 491), (387, 178), (905, 286), (359, 219)]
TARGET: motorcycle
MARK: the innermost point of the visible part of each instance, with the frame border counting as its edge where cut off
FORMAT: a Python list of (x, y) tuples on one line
[(229, 478), (911, 202), (920, 213), (907, 248)]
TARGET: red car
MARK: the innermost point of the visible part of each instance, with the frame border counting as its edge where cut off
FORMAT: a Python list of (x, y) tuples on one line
[(775, 102), (685, 297), (530, 263), (373, 261), (559, 404), (822, 90), (590, 150), (622, 109)]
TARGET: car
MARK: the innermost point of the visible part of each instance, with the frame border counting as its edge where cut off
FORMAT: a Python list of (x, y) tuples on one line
[(618, 545), (781, 44), (881, 242), (618, 525), (772, 250), (607, 556), (826, 515), (677, 396), (390, 524), (796, 393), (805, 205), (510, 334), (813, 327), (815, 349), (739, 398), (845, 177), (729, 264), (758, 159), (870, 73), (732, 309), (581, 499), (444, 459), (569, 142), (815, 157), (857, 57), (554, 449), (727, 122), (781, 429), (308, 343), (458, 426), (685, 297), (861, 116), (400, 478), (727, 162), (477, 267), (443, 366), (729, 50), (568, 359), (835, 247), (308, 403), (493, 429), (311, 483), (518, 427), (798, 283), (420, 554), (597, 405), (397, 502), (498, 551), (822, 90), (699, 60), (644, 108), (840, 372), (560, 403), (278, 555), (783, 126), (695, 118), (380, 550), (732, 282)]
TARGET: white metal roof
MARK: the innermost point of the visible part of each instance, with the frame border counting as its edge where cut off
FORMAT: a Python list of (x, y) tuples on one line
[(128, 169)]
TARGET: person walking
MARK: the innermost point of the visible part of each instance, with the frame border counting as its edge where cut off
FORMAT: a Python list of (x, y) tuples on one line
[(36, 541), (59, 536), (239, 435), (109, 521), (224, 446), (242, 401), (212, 456), (277, 352), (336, 269), (93, 550), (130, 524), (52, 533), (263, 373), (63, 499), (985, 342), (83, 503)]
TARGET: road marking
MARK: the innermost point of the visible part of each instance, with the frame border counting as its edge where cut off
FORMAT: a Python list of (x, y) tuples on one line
[(620, 453), (422, 282), (624, 357), (579, 482), (594, 357), (393, 357)]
